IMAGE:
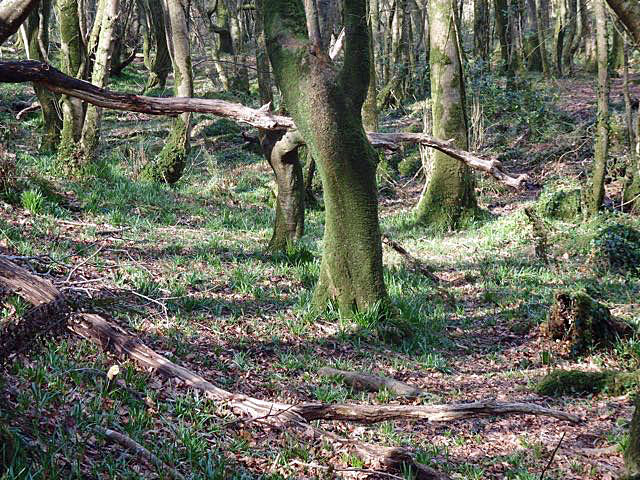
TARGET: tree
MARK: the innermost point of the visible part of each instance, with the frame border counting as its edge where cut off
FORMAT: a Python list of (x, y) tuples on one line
[(159, 65), (481, 29), (602, 128), (326, 103), (449, 200), (37, 34), (169, 164), (628, 12), (12, 14)]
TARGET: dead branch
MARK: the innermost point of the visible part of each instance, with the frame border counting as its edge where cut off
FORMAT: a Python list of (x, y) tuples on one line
[(140, 451), (411, 261), (52, 79), (373, 383), (31, 108), (113, 338)]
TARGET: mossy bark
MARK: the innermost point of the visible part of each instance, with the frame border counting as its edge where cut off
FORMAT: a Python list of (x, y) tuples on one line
[(449, 200), (99, 77), (531, 39), (170, 162), (73, 63), (481, 29), (570, 21), (326, 106), (632, 452), (370, 106), (602, 126), (542, 39), (37, 29), (501, 10)]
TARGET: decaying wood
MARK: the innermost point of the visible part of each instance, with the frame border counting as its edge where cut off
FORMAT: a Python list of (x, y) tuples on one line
[(373, 383), (52, 79), (281, 415), (31, 108), (140, 451)]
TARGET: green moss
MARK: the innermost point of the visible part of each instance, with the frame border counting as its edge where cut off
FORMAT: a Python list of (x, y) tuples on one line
[(560, 201), (169, 164), (575, 382)]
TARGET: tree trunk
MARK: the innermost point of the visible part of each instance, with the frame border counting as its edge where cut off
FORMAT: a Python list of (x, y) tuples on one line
[(481, 29), (13, 13), (532, 39), (73, 62), (542, 39), (326, 106), (100, 78), (628, 12), (501, 8), (37, 28), (602, 128), (449, 200), (241, 77), (558, 37), (281, 150), (632, 452), (370, 106), (169, 164), (569, 22), (616, 55), (160, 66)]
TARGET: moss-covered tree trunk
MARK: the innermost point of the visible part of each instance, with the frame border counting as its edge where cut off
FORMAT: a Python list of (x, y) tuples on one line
[(326, 105), (449, 200), (160, 65), (501, 10), (542, 39), (558, 37), (532, 39), (241, 77), (632, 452), (601, 149), (73, 64), (370, 106), (170, 162), (99, 77), (37, 29), (631, 197)]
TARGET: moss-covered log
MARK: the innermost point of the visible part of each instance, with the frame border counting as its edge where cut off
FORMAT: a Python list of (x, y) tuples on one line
[(632, 452)]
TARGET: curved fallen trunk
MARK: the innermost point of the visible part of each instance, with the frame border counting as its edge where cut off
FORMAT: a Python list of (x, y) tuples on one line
[(52, 79)]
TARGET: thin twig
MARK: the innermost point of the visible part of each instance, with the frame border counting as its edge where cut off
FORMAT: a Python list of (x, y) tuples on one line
[(552, 456), (73, 270)]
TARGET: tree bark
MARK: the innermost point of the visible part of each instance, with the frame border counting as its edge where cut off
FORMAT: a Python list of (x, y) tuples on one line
[(170, 162), (628, 12), (449, 200), (569, 24), (73, 64), (542, 39), (160, 66), (37, 29), (501, 10), (481, 29), (602, 126), (13, 13), (99, 77), (326, 105)]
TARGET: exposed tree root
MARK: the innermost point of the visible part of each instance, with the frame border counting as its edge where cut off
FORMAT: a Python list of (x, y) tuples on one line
[(280, 415), (54, 80)]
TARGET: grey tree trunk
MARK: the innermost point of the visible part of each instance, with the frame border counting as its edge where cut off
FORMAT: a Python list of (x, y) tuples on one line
[(100, 78), (160, 66), (602, 127), (13, 13), (628, 12), (170, 162), (449, 200)]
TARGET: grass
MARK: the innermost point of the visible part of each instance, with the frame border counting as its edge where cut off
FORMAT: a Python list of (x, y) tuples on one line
[(243, 318)]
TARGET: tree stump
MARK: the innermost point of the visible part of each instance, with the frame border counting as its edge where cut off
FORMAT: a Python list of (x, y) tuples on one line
[(577, 318)]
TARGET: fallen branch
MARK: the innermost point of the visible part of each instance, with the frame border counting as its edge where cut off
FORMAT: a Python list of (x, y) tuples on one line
[(31, 108), (139, 450), (412, 262), (373, 383), (52, 79), (116, 340)]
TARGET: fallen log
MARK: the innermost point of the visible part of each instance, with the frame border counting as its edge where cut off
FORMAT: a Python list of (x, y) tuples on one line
[(373, 383), (281, 415), (54, 80)]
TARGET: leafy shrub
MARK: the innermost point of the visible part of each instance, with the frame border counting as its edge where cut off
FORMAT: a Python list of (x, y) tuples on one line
[(616, 247), (560, 201), (410, 165)]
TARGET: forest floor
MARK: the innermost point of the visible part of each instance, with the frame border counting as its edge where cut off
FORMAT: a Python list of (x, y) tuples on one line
[(185, 269)]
